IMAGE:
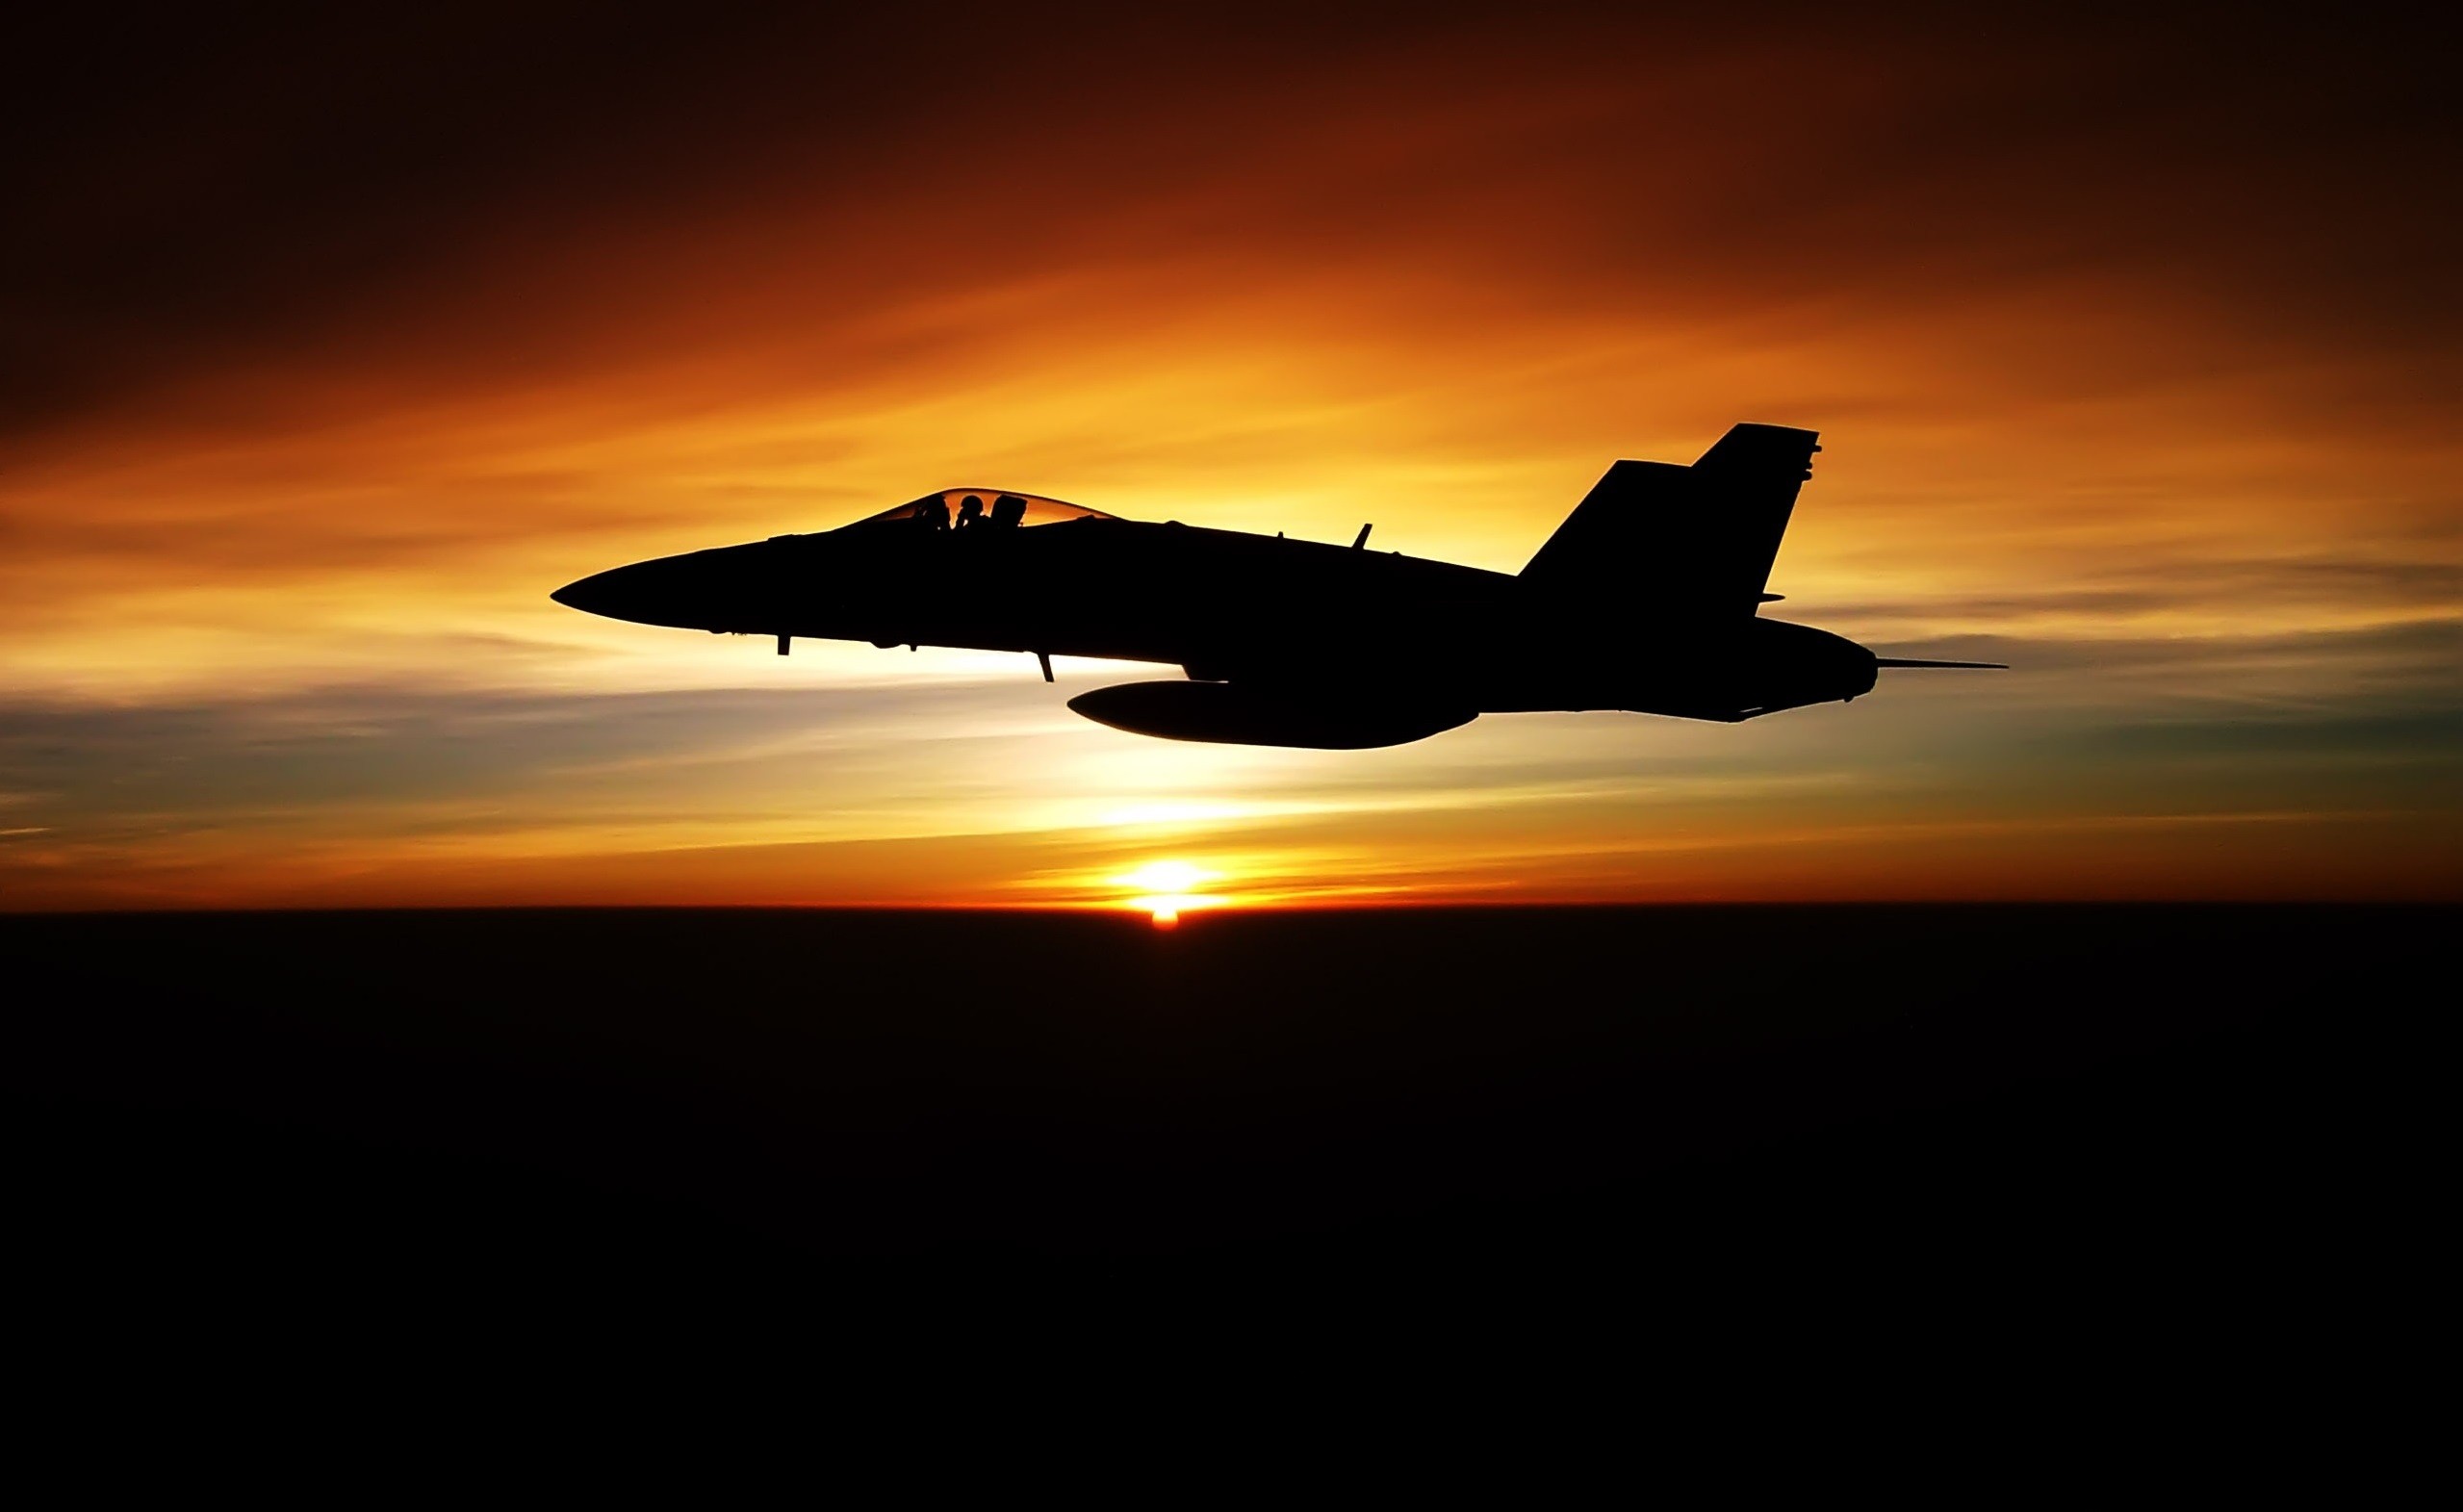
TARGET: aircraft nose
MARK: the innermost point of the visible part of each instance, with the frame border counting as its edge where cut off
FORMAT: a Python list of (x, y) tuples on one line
[(588, 594), (728, 589), (645, 593)]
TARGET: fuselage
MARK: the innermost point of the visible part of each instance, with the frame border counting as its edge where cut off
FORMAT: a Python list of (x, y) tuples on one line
[(1305, 618)]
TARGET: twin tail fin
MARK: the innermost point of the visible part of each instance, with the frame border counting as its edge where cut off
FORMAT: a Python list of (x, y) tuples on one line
[(1684, 541)]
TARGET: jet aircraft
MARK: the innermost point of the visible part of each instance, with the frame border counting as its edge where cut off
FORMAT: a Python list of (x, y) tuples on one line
[(1647, 598)]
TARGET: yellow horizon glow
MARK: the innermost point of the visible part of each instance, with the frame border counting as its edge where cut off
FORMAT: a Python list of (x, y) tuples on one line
[(1165, 889)]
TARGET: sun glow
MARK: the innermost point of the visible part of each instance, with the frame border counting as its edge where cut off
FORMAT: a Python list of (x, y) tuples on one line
[(1167, 889)]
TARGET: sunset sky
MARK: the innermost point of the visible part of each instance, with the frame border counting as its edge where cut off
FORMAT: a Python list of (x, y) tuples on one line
[(329, 348)]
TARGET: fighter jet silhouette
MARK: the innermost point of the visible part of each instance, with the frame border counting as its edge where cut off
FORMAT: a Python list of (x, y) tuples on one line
[(1647, 598)]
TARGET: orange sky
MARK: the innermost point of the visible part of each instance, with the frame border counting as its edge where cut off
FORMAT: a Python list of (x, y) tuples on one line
[(333, 350)]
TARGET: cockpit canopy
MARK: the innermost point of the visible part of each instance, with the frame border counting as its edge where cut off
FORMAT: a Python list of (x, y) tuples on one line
[(972, 508)]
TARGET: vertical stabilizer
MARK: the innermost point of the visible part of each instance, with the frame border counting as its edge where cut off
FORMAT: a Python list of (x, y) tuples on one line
[(1684, 541)]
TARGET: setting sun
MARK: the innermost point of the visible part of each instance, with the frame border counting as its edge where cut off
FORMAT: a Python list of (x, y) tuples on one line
[(1165, 889)]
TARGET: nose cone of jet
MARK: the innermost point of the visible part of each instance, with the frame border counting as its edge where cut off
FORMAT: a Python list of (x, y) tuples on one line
[(665, 591), (597, 594), (729, 588)]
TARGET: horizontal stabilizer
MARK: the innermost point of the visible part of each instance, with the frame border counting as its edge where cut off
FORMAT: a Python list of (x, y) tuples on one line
[(1909, 661)]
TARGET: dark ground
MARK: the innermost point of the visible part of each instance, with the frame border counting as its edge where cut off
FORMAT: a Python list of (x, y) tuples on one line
[(1937, 1118)]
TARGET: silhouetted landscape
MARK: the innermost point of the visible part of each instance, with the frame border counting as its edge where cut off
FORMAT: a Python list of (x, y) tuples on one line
[(1925, 1111)]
